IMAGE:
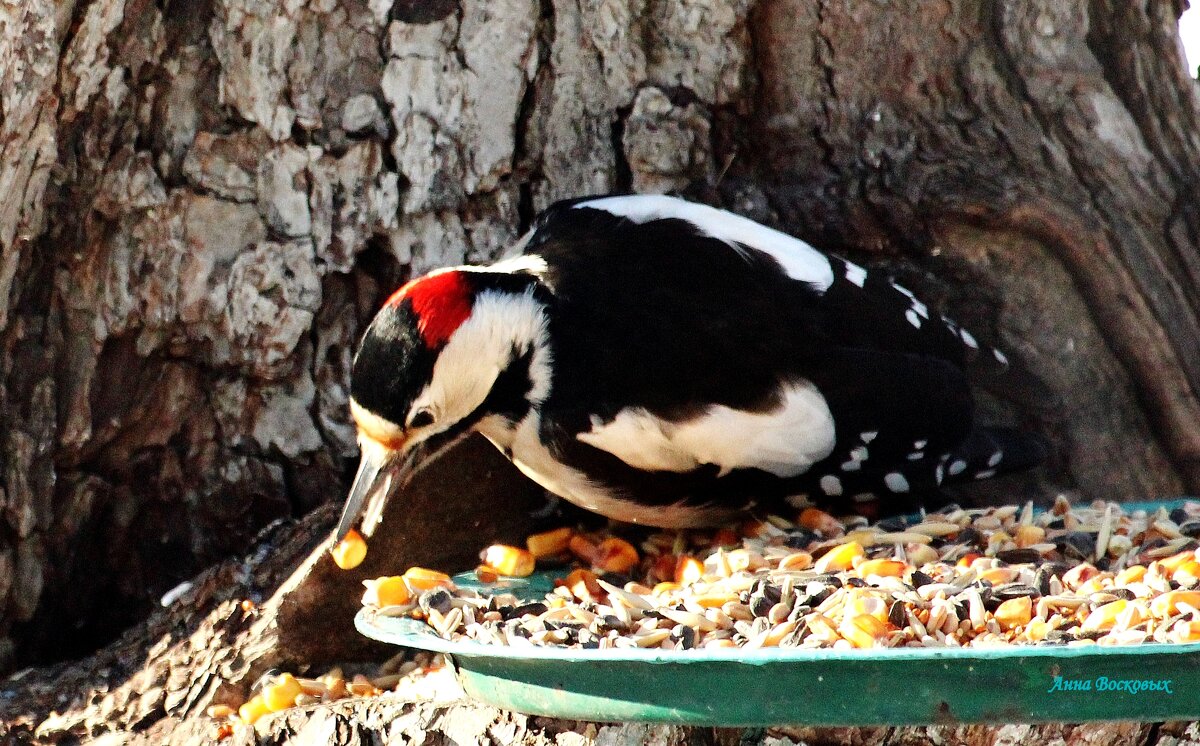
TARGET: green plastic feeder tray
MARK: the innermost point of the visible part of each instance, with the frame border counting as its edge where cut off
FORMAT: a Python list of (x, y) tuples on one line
[(892, 686)]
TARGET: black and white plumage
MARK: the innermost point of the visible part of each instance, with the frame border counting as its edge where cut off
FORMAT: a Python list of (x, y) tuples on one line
[(668, 363)]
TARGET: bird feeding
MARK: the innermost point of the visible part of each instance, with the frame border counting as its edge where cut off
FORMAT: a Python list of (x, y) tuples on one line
[(669, 364), (985, 578)]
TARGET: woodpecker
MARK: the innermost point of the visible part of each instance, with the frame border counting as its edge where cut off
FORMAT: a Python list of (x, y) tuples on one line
[(668, 363)]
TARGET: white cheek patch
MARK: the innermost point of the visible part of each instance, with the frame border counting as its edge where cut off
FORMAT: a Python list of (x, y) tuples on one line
[(785, 442), (799, 260), (468, 365)]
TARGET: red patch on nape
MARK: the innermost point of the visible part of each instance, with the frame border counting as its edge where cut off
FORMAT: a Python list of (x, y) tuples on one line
[(441, 302)]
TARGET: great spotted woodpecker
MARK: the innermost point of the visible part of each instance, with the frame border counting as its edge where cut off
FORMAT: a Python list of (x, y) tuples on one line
[(671, 364)]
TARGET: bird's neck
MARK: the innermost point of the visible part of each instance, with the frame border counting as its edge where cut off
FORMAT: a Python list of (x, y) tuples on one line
[(508, 329)]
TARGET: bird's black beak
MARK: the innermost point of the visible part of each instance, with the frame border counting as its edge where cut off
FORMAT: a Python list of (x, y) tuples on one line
[(380, 472)]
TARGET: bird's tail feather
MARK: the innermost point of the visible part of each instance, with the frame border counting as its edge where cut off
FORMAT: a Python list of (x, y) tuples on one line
[(989, 451)]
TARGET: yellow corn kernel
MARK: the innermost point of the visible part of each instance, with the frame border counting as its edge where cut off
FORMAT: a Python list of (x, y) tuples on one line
[(866, 603), (1133, 574), (815, 519), (665, 587), (616, 555), (744, 559), (688, 570), (998, 575), (549, 543), (513, 562), (582, 584), (840, 558), (884, 568), (253, 709), (796, 561), (386, 591), (1014, 612), (1104, 617), (281, 694), (920, 555), (485, 574), (1096, 584), (350, 551), (1168, 603), (423, 579), (1026, 536), (1175, 560), (713, 600), (1187, 573), (1036, 630), (862, 630)]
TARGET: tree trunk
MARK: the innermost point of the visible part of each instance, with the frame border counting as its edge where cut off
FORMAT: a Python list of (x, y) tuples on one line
[(205, 201)]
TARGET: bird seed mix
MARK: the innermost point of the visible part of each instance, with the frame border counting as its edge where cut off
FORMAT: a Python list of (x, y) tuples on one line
[(1074, 576)]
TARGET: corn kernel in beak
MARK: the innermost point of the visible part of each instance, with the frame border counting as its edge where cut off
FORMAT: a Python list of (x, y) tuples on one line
[(350, 551)]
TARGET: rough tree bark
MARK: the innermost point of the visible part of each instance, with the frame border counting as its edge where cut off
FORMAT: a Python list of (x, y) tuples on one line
[(204, 201)]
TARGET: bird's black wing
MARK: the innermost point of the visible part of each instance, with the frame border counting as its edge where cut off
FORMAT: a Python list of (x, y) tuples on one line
[(686, 337)]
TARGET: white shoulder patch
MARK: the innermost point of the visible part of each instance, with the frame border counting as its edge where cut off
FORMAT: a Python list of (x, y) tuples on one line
[(799, 260), (785, 442)]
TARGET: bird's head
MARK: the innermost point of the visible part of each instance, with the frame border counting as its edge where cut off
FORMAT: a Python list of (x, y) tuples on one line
[(446, 351)]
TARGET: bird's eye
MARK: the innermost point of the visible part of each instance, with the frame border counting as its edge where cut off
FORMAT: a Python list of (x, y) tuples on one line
[(421, 419)]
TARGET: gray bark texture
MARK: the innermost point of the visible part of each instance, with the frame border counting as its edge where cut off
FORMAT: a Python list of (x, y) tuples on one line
[(204, 201)]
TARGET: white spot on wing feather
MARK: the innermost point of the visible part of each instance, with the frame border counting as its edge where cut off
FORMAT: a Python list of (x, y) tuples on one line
[(799, 260), (784, 442), (831, 485), (896, 482), (856, 274)]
